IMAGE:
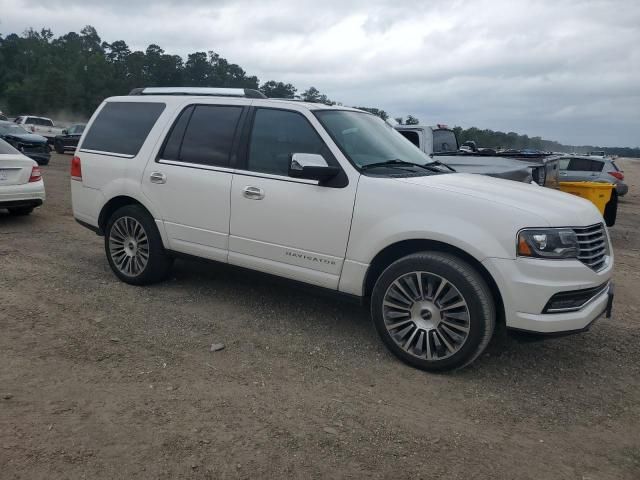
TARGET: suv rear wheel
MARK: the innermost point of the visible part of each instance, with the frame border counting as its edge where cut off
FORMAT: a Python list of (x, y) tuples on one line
[(433, 311), (134, 247)]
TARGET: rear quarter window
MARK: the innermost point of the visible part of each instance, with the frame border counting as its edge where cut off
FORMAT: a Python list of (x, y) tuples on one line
[(6, 149), (412, 137), (122, 127)]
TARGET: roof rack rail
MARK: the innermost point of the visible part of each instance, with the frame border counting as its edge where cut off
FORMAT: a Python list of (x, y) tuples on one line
[(201, 91)]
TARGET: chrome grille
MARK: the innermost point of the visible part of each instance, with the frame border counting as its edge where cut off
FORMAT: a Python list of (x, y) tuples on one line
[(592, 242)]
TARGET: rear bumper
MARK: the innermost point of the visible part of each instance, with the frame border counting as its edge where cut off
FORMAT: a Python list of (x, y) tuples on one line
[(26, 195), (622, 189), (31, 202)]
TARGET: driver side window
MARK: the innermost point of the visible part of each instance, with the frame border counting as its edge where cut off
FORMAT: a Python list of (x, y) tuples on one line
[(276, 134)]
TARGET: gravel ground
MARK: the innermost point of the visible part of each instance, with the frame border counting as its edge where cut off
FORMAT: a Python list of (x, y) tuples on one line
[(99, 379)]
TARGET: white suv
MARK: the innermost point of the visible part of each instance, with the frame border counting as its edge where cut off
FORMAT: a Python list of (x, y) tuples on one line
[(335, 197)]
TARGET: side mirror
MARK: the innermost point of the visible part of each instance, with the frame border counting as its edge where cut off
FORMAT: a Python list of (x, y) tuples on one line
[(65, 132), (311, 166)]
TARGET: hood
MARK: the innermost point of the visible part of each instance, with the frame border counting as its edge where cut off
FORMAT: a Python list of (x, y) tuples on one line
[(27, 137), (557, 209), (482, 164)]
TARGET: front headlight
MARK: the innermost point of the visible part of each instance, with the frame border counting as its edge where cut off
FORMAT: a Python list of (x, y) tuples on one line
[(547, 243)]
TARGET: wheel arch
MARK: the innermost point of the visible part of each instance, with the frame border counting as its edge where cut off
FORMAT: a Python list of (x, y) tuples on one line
[(402, 248), (114, 204)]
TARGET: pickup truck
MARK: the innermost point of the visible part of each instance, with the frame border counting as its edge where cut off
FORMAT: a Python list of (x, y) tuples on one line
[(441, 143), (40, 125)]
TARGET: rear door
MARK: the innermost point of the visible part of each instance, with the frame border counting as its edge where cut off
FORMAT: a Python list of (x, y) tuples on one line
[(190, 180)]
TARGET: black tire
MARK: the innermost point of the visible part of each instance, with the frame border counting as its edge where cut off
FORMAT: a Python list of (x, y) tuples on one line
[(473, 290), (611, 210), (159, 262), (20, 211), (59, 147)]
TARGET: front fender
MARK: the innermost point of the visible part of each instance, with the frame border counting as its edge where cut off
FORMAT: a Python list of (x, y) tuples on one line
[(471, 238), (388, 211)]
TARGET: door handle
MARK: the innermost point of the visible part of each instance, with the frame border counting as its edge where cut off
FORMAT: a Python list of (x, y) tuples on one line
[(253, 193), (158, 177)]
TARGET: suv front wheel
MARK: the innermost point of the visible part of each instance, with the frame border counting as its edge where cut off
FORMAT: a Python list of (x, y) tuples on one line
[(433, 311), (134, 247)]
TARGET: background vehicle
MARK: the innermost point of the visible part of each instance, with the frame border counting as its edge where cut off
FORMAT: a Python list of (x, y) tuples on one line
[(584, 168), (336, 198), (32, 145), (441, 142), (69, 138), (40, 125), (21, 184)]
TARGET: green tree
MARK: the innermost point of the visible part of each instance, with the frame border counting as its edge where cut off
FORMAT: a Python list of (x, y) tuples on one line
[(273, 89), (313, 95), (380, 113), (411, 120)]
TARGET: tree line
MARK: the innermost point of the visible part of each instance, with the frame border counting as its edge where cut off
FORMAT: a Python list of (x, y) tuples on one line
[(76, 71)]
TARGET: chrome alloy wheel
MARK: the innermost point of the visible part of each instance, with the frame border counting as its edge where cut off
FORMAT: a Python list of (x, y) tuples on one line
[(426, 316), (129, 246)]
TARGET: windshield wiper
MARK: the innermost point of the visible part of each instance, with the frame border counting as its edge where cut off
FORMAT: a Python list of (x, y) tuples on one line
[(439, 163), (390, 163)]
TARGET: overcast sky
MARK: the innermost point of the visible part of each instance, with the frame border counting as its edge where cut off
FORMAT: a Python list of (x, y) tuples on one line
[(564, 70)]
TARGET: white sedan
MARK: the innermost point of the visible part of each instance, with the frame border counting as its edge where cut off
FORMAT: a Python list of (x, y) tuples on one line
[(21, 184)]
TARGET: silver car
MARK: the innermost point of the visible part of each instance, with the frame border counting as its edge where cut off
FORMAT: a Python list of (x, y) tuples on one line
[(590, 168)]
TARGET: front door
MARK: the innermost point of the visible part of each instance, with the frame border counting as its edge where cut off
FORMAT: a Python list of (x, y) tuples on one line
[(289, 227), (190, 182)]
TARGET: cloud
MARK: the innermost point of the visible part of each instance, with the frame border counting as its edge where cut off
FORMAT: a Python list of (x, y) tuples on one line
[(563, 69)]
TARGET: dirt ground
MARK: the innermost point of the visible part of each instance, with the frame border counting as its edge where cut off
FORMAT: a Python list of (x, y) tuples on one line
[(99, 379)]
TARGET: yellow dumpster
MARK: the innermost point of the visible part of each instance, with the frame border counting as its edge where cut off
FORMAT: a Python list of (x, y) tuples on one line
[(597, 192)]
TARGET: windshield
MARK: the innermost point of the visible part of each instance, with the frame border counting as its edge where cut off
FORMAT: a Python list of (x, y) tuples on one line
[(366, 139), (12, 129), (444, 141)]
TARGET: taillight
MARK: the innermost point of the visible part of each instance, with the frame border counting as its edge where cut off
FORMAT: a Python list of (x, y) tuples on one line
[(36, 174), (76, 170), (618, 175)]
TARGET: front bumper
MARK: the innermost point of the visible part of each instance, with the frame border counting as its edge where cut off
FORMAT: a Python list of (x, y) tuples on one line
[(527, 285)]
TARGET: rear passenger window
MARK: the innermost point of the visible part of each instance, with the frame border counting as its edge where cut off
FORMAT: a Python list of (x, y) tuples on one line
[(203, 134), (275, 136), (122, 127), (580, 165)]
